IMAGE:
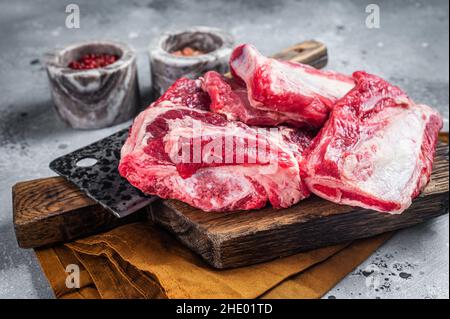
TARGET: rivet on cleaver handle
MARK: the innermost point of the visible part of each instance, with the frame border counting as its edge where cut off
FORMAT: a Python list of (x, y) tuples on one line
[(94, 170)]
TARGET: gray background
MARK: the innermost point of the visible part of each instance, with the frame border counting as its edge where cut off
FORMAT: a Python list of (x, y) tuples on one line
[(410, 49)]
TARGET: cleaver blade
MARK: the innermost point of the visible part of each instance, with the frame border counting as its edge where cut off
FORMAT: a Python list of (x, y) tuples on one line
[(94, 169)]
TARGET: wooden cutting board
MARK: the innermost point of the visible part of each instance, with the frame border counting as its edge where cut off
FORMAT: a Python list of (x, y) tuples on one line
[(236, 239), (51, 210)]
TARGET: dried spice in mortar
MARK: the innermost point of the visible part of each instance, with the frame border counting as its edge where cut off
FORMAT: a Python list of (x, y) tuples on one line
[(93, 61), (187, 51)]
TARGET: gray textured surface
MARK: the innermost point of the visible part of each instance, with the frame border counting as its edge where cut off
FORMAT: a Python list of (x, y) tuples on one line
[(411, 49)]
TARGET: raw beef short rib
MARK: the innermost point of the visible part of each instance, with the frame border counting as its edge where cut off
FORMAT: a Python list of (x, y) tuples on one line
[(300, 92), (231, 99), (376, 151), (211, 163), (185, 92)]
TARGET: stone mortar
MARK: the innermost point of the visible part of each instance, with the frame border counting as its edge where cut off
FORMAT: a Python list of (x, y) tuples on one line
[(94, 98), (166, 67)]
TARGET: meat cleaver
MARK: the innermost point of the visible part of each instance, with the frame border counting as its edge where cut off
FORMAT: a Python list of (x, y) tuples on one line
[(94, 168)]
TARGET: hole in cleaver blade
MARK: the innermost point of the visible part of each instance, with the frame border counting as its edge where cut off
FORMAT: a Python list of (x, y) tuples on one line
[(101, 180)]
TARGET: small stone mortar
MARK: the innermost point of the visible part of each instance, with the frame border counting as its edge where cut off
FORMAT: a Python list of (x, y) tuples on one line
[(166, 67), (94, 98)]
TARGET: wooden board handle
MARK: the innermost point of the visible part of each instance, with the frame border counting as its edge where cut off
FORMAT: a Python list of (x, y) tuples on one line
[(52, 210), (310, 52)]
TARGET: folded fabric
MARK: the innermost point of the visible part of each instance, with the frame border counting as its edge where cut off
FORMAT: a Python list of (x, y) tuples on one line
[(142, 261)]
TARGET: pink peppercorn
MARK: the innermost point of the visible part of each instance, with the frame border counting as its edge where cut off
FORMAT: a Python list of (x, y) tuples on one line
[(93, 61)]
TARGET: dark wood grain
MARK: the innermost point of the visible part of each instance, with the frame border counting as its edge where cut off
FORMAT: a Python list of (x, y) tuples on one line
[(52, 210), (241, 238)]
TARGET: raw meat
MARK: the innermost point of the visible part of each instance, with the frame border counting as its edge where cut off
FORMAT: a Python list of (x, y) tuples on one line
[(231, 99), (376, 150), (211, 163), (302, 93), (186, 92)]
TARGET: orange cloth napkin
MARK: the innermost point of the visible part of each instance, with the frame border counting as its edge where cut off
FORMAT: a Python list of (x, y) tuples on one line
[(142, 261)]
